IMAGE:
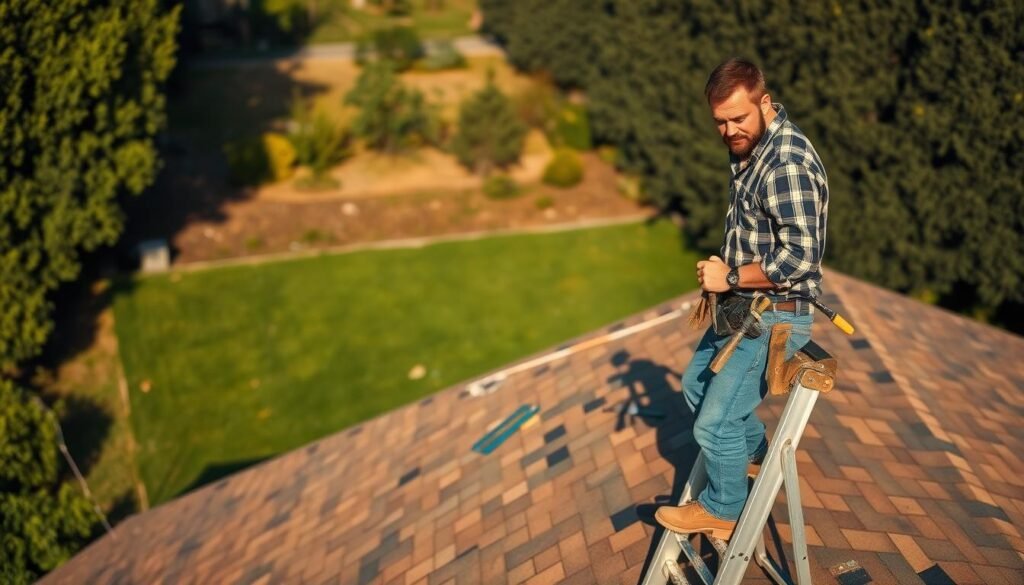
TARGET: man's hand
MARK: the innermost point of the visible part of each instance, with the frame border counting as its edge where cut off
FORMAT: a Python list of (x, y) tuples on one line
[(711, 274)]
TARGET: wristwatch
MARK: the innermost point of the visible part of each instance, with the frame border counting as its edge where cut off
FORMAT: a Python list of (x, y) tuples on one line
[(733, 279)]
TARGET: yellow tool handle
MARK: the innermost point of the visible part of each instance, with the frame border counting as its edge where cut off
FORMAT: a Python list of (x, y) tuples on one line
[(842, 324)]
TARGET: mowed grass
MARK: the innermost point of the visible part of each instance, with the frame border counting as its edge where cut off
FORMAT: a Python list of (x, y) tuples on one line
[(349, 24), (246, 362)]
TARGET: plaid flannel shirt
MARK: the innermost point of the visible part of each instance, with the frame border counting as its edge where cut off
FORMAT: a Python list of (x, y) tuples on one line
[(777, 211)]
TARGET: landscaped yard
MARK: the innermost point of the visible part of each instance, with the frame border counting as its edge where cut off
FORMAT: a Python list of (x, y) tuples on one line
[(349, 24), (233, 365), (214, 106)]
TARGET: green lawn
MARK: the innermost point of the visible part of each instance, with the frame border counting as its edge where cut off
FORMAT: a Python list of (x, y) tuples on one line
[(349, 24), (247, 362)]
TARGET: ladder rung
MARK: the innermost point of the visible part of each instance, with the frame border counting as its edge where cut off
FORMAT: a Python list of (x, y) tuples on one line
[(696, 561), (780, 469), (720, 545), (674, 573)]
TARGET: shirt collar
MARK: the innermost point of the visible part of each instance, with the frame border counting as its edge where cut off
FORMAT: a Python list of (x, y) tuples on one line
[(766, 138)]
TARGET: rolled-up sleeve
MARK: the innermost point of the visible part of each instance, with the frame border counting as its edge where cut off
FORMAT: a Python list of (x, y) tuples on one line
[(792, 203)]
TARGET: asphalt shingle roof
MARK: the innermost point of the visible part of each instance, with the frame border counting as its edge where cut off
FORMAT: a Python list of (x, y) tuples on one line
[(912, 467)]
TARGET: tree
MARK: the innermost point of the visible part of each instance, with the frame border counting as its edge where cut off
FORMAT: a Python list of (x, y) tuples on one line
[(79, 109), (490, 135), (391, 116), (81, 106), (41, 525), (915, 108)]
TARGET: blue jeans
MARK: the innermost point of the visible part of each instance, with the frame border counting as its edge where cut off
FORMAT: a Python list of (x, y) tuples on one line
[(726, 427)]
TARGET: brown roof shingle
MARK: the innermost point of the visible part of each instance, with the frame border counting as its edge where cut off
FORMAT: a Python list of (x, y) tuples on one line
[(911, 468)]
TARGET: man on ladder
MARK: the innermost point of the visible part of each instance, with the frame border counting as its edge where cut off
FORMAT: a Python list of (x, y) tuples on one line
[(774, 241)]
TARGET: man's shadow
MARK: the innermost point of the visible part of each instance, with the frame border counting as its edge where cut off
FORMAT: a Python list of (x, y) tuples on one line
[(655, 402)]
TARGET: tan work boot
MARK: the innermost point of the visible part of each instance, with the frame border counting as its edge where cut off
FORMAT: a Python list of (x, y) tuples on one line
[(692, 517)]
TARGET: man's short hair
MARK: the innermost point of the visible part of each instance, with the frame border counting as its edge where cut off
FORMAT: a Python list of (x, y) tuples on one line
[(731, 75)]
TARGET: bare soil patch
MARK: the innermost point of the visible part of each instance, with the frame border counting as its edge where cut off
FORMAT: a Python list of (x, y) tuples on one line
[(261, 225)]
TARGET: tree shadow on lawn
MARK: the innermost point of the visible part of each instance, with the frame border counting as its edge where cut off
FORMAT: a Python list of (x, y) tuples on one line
[(208, 109), (124, 506), (192, 186), (86, 425), (78, 311), (217, 471)]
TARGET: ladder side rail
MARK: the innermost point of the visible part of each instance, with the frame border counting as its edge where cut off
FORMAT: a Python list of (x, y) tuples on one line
[(668, 546), (775, 572), (668, 549), (796, 515), (755, 514)]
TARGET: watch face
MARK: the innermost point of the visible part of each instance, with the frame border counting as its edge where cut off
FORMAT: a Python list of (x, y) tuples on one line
[(732, 279)]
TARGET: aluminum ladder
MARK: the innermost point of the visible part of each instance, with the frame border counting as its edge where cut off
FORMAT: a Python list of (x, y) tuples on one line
[(747, 540)]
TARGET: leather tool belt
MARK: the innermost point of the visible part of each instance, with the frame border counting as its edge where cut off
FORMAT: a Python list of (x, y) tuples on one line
[(730, 311)]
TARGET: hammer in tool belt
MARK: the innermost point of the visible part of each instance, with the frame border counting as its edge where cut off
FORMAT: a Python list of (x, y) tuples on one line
[(759, 305)]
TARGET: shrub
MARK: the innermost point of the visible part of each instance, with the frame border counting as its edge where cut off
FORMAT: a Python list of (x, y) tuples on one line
[(500, 187), (253, 243), (400, 45), (444, 55), (573, 128), (260, 159), (364, 47), (631, 187), (537, 106), (319, 142), (394, 7), (314, 236), (544, 202), (291, 17), (564, 170), (280, 155), (489, 135), (609, 154)]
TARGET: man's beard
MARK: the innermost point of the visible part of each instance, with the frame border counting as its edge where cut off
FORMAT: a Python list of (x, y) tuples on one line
[(743, 147)]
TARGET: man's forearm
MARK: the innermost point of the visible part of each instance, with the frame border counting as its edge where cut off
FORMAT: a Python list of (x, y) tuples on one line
[(753, 277)]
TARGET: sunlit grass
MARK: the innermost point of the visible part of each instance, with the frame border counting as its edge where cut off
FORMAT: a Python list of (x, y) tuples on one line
[(246, 362)]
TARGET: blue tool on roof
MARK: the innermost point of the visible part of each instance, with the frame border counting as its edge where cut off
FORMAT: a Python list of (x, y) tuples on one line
[(503, 431)]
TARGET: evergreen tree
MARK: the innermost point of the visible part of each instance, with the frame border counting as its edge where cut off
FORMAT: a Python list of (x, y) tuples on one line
[(81, 103), (915, 107), (41, 525), (80, 106), (490, 135), (391, 116)]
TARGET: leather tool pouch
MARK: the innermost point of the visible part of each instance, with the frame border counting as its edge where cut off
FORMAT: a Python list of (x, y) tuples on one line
[(730, 312), (776, 370), (817, 373)]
